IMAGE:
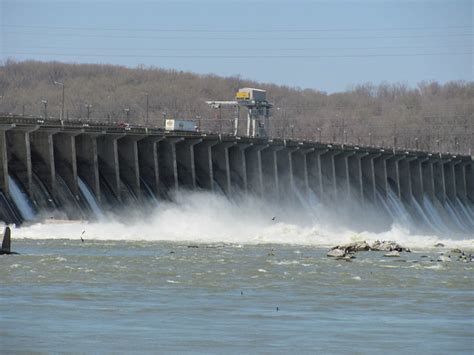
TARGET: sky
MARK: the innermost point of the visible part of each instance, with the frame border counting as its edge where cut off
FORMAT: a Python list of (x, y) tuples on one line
[(328, 45)]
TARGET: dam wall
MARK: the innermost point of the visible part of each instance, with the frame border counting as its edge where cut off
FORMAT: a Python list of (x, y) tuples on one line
[(123, 165)]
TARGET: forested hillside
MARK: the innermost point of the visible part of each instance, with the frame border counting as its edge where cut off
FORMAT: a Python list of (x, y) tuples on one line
[(429, 116)]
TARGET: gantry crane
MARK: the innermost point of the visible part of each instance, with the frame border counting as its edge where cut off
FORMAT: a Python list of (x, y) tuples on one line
[(258, 110)]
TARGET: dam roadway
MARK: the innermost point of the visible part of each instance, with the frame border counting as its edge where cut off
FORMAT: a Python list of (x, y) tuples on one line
[(166, 160)]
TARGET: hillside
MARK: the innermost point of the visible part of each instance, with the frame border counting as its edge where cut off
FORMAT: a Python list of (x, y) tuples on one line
[(430, 116)]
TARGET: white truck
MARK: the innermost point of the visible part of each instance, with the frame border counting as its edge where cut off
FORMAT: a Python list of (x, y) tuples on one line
[(180, 125)]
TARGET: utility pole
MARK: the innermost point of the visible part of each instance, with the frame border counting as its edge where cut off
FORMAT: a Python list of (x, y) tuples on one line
[(88, 106), (45, 103), (62, 105), (146, 118)]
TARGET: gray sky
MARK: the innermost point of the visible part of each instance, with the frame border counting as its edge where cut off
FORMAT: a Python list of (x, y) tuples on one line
[(327, 45)]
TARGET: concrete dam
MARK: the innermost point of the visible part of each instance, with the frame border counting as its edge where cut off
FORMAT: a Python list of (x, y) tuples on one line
[(76, 170)]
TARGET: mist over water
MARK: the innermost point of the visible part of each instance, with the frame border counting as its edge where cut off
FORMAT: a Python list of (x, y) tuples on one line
[(205, 217)]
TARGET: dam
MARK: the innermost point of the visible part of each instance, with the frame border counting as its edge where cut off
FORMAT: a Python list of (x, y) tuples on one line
[(78, 170)]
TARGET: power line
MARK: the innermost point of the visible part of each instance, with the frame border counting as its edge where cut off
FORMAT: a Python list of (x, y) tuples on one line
[(463, 45), (445, 35), (197, 30), (238, 56)]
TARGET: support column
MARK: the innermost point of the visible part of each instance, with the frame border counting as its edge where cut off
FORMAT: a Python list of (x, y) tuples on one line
[(469, 170), (186, 162), (238, 166), (88, 161), (109, 164), (416, 176), (329, 174), (341, 164), (405, 178), (450, 180), (203, 164), (42, 158), (439, 181), (168, 162), (4, 160), (393, 173), (253, 159), (380, 167), (428, 178), (315, 176), (270, 170), (300, 167), (284, 161), (149, 162), (221, 165), (65, 157), (129, 166), (369, 186), (18, 142), (356, 185), (460, 177)]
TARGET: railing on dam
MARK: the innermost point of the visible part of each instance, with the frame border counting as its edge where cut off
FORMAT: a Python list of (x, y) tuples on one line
[(119, 163)]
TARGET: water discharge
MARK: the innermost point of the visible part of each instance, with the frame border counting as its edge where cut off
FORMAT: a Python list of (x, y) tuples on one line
[(21, 200), (204, 217), (90, 198)]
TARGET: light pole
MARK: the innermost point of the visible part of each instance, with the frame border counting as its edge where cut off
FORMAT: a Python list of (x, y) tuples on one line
[(320, 136), (127, 112), (146, 117), (62, 105), (198, 118), (45, 103), (88, 106), (164, 119), (23, 110)]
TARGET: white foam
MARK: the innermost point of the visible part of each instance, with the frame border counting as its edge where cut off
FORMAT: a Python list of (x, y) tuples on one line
[(202, 217)]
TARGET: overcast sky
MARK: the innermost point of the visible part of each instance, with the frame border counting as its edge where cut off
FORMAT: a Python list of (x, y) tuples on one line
[(327, 45)]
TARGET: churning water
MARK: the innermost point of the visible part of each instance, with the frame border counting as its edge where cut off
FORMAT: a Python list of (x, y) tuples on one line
[(207, 274)]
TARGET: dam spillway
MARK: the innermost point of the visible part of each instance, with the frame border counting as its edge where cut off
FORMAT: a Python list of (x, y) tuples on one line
[(73, 170)]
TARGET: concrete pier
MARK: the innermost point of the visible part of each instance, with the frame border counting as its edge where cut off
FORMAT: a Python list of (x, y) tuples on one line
[(238, 166), (129, 166), (270, 170), (148, 162), (203, 164), (88, 161), (221, 166), (65, 159), (186, 166), (18, 143), (439, 179), (369, 185), (328, 172), (253, 159), (168, 163), (109, 164), (4, 186), (315, 175)]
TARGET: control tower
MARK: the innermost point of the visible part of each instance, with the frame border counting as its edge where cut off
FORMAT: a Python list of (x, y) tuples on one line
[(257, 106)]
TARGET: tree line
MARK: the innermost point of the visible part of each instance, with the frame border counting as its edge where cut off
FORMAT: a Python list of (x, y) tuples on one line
[(430, 116)]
